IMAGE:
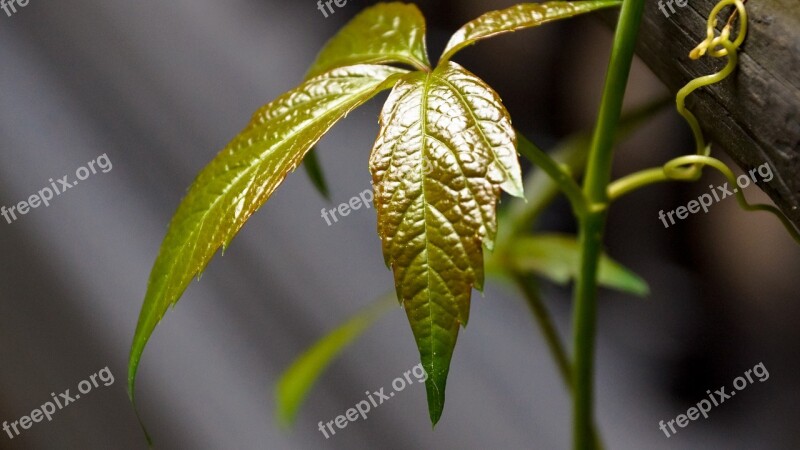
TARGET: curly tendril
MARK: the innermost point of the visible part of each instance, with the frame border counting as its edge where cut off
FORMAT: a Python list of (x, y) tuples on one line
[(689, 167)]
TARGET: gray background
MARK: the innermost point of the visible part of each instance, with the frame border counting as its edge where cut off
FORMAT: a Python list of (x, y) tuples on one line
[(162, 86)]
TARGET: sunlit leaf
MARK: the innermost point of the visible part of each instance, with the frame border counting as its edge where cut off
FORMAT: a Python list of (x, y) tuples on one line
[(557, 257), (300, 377), (445, 150), (242, 177), (525, 15), (380, 34)]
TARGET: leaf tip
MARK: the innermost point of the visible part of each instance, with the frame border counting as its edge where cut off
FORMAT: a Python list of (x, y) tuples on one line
[(514, 188), (639, 287), (435, 405), (435, 384), (315, 174)]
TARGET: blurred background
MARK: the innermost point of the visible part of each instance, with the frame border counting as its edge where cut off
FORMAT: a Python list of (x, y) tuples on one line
[(161, 87)]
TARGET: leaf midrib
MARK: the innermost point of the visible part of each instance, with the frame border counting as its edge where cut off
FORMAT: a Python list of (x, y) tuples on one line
[(371, 58), (425, 135)]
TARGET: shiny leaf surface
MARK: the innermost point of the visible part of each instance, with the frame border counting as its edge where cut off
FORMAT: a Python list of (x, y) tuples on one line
[(557, 257), (384, 33), (242, 177), (518, 17), (445, 150)]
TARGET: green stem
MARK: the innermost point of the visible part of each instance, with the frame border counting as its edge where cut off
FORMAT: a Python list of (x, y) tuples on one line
[(531, 293), (560, 174), (635, 181), (592, 225), (584, 325)]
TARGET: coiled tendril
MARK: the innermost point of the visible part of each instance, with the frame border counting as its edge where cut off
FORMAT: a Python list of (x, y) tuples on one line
[(689, 167)]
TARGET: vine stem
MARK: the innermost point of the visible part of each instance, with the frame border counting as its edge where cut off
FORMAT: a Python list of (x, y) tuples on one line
[(592, 224)]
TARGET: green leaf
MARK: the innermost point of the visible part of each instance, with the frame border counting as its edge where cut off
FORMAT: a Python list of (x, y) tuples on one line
[(242, 177), (557, 257), (445, 150), (525, 15), (315, 173), (381, 34), (300, 377)]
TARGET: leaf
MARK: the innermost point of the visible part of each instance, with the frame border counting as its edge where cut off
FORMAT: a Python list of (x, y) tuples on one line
[(242, 177), (445, 149), (557, 257), (315, 173), (381, 34), (384, 33), (300, 377), (518, 17)]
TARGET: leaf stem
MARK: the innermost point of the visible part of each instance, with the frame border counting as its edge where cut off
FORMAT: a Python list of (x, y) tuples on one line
[(527, 285), (592, 225), (558, 173), (634, 181), (418, 64)]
